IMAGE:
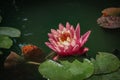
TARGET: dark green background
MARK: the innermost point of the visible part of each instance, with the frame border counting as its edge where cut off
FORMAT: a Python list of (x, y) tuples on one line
[(43, 15), (35, 18)]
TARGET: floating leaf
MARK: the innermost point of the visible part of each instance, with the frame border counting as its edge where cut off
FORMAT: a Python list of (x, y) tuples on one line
[(111, 76), (81, 70), (9, 31), (5, 42), (105, 63), (53, 70), (66, 70)]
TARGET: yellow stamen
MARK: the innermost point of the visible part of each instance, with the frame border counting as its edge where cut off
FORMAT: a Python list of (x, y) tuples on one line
[(64, 37)]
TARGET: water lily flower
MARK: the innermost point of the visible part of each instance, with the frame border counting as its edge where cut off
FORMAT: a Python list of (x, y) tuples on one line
[(66, 41)]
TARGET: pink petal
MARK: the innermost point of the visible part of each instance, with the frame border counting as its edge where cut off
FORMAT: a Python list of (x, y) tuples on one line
[(52, 36), (69, 50), (72, 31), (73, 43), (57, 49), (72, 28), (50, 46), (54, 32), (84, 38), (56, 58), (76, 48), (55, 37), (61, 48), (53, 47), (83, 50), (77, 31), (68, 26), (62, 53), (52, 41), (61, 27)]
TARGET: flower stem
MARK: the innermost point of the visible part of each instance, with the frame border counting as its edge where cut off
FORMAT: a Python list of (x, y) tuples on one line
[(50, 55), (31, 62)]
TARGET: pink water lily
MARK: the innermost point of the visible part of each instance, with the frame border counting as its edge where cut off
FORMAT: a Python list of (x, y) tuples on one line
[(67, 41)]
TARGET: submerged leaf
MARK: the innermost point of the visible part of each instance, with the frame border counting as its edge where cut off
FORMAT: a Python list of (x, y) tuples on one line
[(12, 60), (105, 63), (5, 42), (66, 70), (9, 31)]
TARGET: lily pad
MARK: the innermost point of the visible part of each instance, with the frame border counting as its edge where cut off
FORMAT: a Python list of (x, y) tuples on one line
[(66, 70), (9, 31), (5, 42), (111, 76), (105, 63), (53, 70), (81, 70)]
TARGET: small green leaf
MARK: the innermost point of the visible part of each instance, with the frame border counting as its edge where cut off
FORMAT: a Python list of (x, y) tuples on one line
[(66, 70), (5, 42), (105, 63), (9, 31)]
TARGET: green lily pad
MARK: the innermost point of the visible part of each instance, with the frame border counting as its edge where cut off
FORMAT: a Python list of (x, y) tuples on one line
[(111, 76), (9, 31), (81, 70), (66, 70), (5, 42), (105, 63), (53, 71)]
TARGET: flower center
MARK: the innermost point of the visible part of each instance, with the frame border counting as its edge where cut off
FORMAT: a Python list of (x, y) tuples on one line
[(64, 37)]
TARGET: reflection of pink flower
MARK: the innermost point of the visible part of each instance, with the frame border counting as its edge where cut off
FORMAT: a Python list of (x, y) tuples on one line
[(67, 40)]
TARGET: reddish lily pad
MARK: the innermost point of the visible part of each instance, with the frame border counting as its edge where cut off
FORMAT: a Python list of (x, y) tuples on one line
[(12, 60)]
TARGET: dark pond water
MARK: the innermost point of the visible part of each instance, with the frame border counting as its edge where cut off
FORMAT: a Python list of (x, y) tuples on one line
[(36, 18)]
